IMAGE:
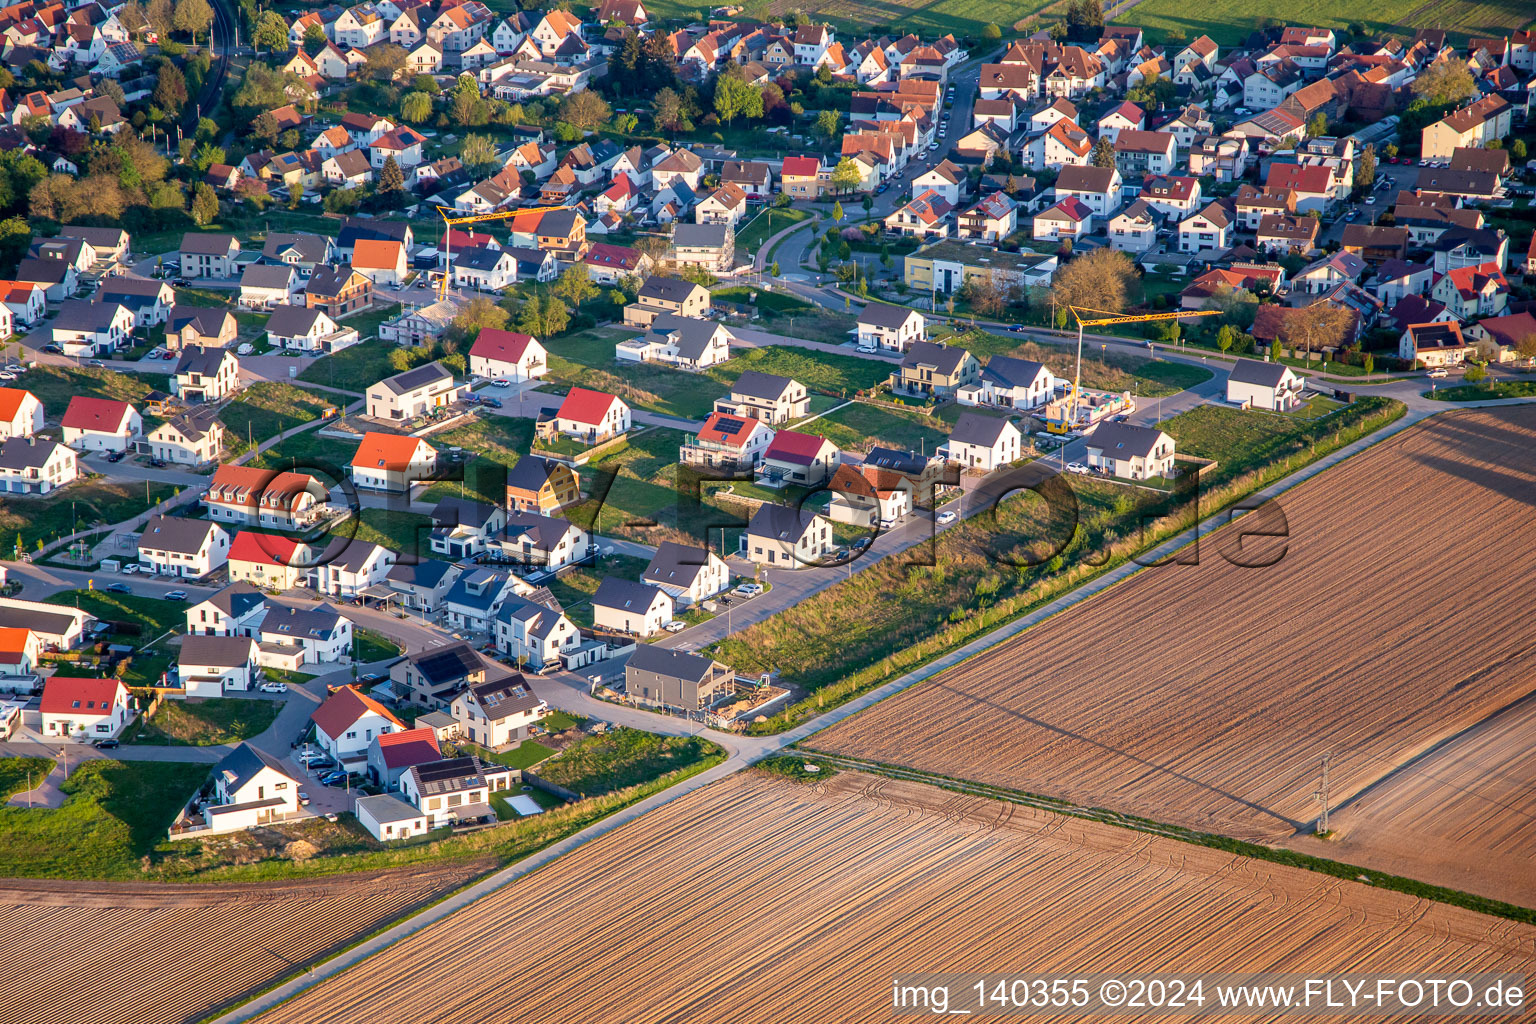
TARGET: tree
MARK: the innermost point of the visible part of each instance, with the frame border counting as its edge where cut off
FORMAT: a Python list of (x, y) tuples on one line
[(584, 110), (1085, 20), (1101, 279), (314, 40), (416, 107), (385, 62), (556, 317), (296, 193), (531, 318), (1225, 337), (1365, 168), (192, 16), (827, 123), (735, 98), (1445, 83), (478, 313), (1517, 150), (1318, 326), (846, 176), (837, 213), (170, 93), (264, 129), (1390, 150), (478, 154), (1238, 306), (1526, 347), (1475, 374), (576, 284), (206, 155), (205, 205), (667, 110), (773, 271), (271, 33), (1318, 126), (1103, 153), (160, 14), (391, 178), (991, 32), (1368, 363)]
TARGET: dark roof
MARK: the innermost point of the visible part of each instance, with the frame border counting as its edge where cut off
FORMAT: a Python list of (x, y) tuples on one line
[(194, 424), (463, 512), (292, 321), (417, 377), (1124, 440), (530, 473), (677, 564), (614, 592), (206, 322), (207, 245), (666, 662), (24, 453), (261, 275), (216, 650), (243, 763), (84, 315), (945, 359), (767, 386), (197, 359), (780, 522), (170, 533), (329, 280), (447, 664), (310, 248), (1260, 374), (1013, 372), (669, 288), (451, 775), (883, 314), (909, 463), (978, 428), (506, 696)]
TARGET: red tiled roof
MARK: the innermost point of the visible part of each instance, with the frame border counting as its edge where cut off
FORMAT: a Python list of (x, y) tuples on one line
[(493, 343), (386, 451), (793, 446), (1315, 179), (343, 708), (95, 696), (10, 402), (586, 406), (412, 747), (800, 167), (721, 428), (264, 548), (377, 254), (95, 414)]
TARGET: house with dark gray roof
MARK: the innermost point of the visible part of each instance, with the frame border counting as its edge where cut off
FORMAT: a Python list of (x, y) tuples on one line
[(150, 301), (250, 787), (199, 325), (432, 677), (682, 341), (422, 584), (191, 438), (932, 368), (303, 252), (689, 574), (210, 666), (188, 548), (414, 393), (350, 566), (208, 255), (1009, 383), (498, 712), (890, 328), (767, 397), (263, 285), (1130, 452), (462, 526), (982, 442), (33, 465), (455, 789), (661, 294), (784, 537), (1258, 384), (530, 538), (626, 606), (676, 679)]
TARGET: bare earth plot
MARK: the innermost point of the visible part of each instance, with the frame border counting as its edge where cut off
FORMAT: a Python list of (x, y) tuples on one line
[(758, 899), (1205, 696), (164, 954), (1464, 810)]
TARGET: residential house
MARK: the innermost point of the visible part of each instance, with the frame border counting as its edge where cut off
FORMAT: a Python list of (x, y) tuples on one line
[(415, 393), (307, 329), (422, 584), (432, 677), (891, 328), (392, 754), (461, 527), (626, 606), (1472, 293), (507, 354), (382, 262), (935, 369), (591, 416), (391, 462), (1135, 228), (1435, 344), (541, 486), (86, 328), (660, 294), (211, 666), (992, 219), (1282, 234), (336, 291), (205, 374), (347, 722), (1474, 125), (685, 342), (150, 302), (534, 635), (1210, 229), (455, 789), (208, 255), (21, 413), (768, 397), (188, 548), (728, 442), (1145, 153), (187, 326), (29, 465), (982, 442), (783, 537), (1176, 196), (674, 679), (688, 574), (710, 247), (268, 560), (263, 287), (1130, 452), (100, 425), (1263, 385), (926, 216), (192, 438), (250, 788), (500, 712), (1009, 383), (350, 566), (1098, 188)]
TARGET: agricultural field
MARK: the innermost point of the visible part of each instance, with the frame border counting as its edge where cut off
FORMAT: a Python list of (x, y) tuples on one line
[(1463, 812), (190, 949), (1229, 22), (861, 17), (870, 879), (1205, 695)]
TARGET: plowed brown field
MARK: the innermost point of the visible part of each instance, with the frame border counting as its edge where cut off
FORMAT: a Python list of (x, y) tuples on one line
[(163, 954), (1206, 695), (1464, 810), (757, 899)]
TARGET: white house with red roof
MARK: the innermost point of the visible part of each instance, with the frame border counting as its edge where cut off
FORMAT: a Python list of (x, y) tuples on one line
[(1069, 218), (88, 709), (349, 720), (392, 462), (499, 353), (804, 460), (404, 144), (101, 425), (380, 261), (727, 441), (607, 264), (591, 416), (21, 413), (1312, 185), (26, 302), (1471, 293), (268, 560), (1127, 116), (19, 648), (392, 754)]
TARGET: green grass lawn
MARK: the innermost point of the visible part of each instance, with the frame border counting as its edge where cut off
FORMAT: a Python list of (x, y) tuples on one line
[(587, 359), (264, 410), (1484, 390), (368, 646), (768, 222), (152, 616), (204, 722), (308, 452), (17, 772), (767, 303), (858, 18), (366, 323), (288, 676), (76, 507), (1146, 378), (54, 386), (559, 721), (114, 814), (574, 587), (1242, 439), (827, 372), (524, 755), (495, 444), (400, 531), (354, 368), (862, 425), (623, 757), (1230, 21)]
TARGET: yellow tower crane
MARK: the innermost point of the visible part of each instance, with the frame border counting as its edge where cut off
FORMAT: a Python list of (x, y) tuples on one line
[(1105, 318), (452, 220)]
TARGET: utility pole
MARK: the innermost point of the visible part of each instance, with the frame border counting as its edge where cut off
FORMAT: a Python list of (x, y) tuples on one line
[(1321, 796)]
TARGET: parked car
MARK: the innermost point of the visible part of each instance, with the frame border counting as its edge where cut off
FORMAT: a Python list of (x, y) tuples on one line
[(501, 382), (106, 744), (273, 687), (494, 403), (675, 626), (1077, 467), (303, 799), (131, 569), (946, 517), (115, 456), (749, 589), (119, 588), (157, 463), (886, 524), (176, 595), (54, 348), (1438, 372)]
